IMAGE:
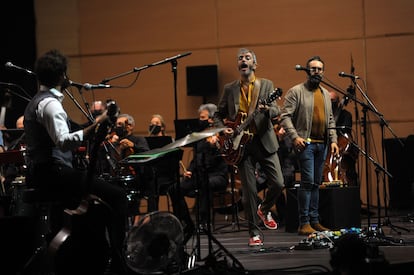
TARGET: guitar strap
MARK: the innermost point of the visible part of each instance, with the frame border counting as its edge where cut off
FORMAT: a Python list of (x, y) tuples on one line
[(255, 96)]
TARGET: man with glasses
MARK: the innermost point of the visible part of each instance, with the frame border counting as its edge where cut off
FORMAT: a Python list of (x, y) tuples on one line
[(310, 125)]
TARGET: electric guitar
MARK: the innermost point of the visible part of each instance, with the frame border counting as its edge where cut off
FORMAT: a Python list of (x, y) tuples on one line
[(232, 146)]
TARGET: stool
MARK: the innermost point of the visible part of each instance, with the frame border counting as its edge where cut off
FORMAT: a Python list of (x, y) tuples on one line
[(43, 204)]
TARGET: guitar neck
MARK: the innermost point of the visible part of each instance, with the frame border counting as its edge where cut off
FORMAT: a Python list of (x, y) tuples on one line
[(246, 122)]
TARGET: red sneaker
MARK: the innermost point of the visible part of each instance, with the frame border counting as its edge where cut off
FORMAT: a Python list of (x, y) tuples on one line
[(268, 220), (255, 241)]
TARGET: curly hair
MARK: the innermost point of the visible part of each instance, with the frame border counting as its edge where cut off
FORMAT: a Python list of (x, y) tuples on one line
[(51, 68)]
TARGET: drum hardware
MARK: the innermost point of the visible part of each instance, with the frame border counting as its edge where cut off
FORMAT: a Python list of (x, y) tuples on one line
[(199, 176), (132, 188)]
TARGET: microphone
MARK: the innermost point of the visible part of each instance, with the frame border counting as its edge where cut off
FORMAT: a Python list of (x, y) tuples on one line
[(11, 65), (300, 68), (342, 74), (88, 86), (75, 84)]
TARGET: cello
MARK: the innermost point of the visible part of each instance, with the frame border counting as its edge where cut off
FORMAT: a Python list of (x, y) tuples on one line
[(340, 169)]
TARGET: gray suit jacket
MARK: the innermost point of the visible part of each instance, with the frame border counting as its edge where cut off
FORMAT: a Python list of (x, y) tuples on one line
[(228, 108)]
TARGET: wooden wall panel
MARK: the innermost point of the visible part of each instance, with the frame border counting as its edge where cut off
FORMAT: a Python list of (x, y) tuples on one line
[(141, 26), (297, 21), (389, 75), (389, 17), (57, 26)]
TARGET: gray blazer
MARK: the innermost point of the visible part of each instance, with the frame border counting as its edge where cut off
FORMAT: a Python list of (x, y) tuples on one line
[(228, 108)]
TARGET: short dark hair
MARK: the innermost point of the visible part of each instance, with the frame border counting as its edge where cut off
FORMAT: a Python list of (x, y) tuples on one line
[(50, 68), (313, 58)]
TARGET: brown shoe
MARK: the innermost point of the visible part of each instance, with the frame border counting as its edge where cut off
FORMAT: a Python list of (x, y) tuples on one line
[(320, 227), (305, 229)]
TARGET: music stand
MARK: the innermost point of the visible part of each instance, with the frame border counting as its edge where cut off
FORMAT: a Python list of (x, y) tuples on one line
[(164, 170), (155, 142), (185, 127)]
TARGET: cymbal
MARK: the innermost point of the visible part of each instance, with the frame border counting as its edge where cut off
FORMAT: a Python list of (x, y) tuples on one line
[(147, 156), (153, 154), (194, 137)]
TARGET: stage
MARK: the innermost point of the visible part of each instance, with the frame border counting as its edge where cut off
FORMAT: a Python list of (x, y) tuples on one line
[(225, 250), (287, 253)]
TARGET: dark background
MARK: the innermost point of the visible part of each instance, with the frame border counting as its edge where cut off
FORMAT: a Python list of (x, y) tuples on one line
[(18, 45)]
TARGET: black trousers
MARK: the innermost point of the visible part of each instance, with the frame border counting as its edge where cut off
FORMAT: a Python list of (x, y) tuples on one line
[(69, 187)]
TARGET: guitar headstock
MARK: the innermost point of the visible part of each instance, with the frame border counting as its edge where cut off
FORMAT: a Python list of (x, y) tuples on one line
[(112, 111), (275, 94)]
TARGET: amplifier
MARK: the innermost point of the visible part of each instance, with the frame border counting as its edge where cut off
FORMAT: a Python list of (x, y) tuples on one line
[(339, 207)]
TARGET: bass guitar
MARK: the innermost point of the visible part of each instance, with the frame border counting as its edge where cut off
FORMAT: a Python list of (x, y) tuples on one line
[(232, 146)]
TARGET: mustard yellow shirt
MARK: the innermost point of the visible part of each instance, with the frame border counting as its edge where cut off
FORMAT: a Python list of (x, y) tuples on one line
[(318, 119)]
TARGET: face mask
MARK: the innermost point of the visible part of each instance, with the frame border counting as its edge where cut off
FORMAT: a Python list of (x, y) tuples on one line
[(203, 124), (154, 129), (120, 132)]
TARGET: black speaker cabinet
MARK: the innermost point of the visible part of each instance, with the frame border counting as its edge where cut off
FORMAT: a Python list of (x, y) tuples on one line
[(400, 158), (202, 80), (339, 207)]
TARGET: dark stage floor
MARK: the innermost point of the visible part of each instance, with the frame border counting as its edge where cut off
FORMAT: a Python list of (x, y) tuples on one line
[(282, 252), (225, 250)]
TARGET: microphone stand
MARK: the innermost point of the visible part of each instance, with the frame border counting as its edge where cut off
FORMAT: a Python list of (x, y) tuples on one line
[(88, 116), (14, 93), (201, 183), (364, 110), (383, 123), (174, 63)]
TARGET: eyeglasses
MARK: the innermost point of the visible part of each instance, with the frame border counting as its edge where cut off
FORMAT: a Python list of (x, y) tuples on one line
[(316, 69)]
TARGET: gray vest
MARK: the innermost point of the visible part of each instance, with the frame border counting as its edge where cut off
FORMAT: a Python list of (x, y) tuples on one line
[(40, 147)]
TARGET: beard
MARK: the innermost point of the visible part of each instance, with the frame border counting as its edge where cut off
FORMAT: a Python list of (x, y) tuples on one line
[(314, 81)]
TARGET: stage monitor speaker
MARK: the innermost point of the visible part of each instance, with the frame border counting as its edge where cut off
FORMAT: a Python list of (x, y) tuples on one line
[(202, 80), (400, 158), (339, 207)]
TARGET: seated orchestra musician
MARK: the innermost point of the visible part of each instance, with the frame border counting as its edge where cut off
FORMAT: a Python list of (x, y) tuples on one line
[(208, 171), (120, 144), (157, 126), (164, 169)]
